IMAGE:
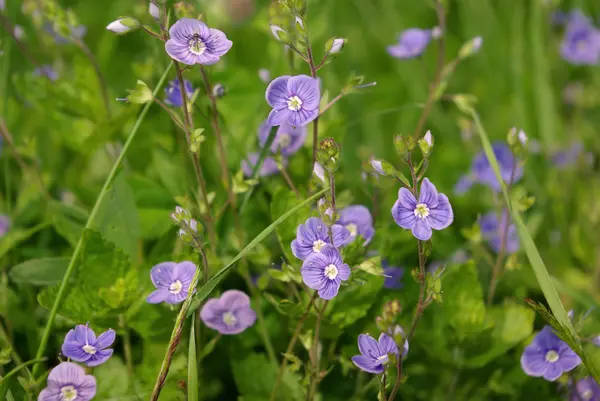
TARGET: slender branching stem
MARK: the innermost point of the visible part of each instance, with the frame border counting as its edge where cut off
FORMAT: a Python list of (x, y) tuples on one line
[(10, 29), (171, 113), (177, 330), (331, 103), (315, 356)]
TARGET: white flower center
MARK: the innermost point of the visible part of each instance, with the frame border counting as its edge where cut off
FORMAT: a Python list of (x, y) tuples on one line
[(318, 244), (331, 271), (552, 356), (587, 394), (89, 349), (68, 393), (229, 318), (421, 211), (383, 359), (294, 103), (196, 45), (284, 140), (176, 287), (352, 228)]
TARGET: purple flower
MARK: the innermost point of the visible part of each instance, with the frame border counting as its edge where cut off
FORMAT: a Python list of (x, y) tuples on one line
[(358, 221), (46, 71), (4, 224), (581, 43), (192, 42), (587, 390), (394, 275), (482, 172), (295, 100), (173, 92), (548, 356), (268, 167), (172, 281), (81, 345), (288, 139), (411, 43), (568, 157), (68, 382), (375, 353), (230, 314), (324, 271), (313, 235), (432, 211), (492, 231)]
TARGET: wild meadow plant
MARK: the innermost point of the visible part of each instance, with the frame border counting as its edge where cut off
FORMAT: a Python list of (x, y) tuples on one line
[(251, 258)]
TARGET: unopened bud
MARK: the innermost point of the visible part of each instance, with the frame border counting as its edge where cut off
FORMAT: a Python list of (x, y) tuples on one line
[(141, 94), (335, 45), (280, 34), (218, 90), (470, 48), (426, 144), (154, 10), (123, 25)]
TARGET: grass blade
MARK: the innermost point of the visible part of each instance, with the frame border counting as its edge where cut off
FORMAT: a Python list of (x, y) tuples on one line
[(192, 383), (207, 288)]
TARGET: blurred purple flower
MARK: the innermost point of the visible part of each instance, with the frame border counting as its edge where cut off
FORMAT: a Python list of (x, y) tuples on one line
[(46, 71), (229, 314), (268, 167), (358, 221), (581, 43), (482, 172), (172, 281), (374, 353), (569, 157), (432, 211), (192, 42), (295, 100), (548, 356), (411, 43), (394, 281), (264, 75), (173, 92), (313, 235), (324, 271), (4, 225), (586, 390), (81, 345), (76, 32), (492, 231), (68, 382), (288, 139)]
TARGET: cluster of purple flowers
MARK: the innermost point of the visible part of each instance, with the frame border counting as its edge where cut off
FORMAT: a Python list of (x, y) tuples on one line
[(68, 381)]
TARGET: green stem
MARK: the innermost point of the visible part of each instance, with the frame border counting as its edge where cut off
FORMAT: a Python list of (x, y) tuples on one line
[(62, 290), (176, 334), (18, 368)]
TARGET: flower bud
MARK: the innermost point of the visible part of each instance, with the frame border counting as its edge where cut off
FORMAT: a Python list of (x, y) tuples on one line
[(426, 144), (218, 90), (154, 10), (264, 75), (335, 45), (437, 32), (319, 172), (123, 25), (141, 94), (470, 48), (329, 146), (280, 34)]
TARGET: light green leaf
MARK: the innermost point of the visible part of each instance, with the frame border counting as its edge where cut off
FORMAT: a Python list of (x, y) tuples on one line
[(112, 379), (154, 223), (44, 271), (206, 289)]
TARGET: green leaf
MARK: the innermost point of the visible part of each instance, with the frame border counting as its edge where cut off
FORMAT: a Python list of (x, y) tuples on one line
[(463, 301), (171, 174), (192, 382), (44, 271), (100, 266), (117, 217), (154, 223), (15, 236), (259, 386), (207, 288), (353, 302), (112, 379), (372, 266), (284, 200)]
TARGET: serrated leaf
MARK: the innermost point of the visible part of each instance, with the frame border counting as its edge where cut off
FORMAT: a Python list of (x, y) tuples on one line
[(44, 271), (100, 265)]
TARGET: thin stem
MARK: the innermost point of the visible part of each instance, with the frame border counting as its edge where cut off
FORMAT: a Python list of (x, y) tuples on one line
[(315, 356), (101, 80), (19, 367), (382, 390), (291, 345), (313, 73), (4, 133), (497, 269), (62, 290), (176, 334), (439, 69), (127, 347), (332, 102), (289, 181), (189, 125), (171, 113)]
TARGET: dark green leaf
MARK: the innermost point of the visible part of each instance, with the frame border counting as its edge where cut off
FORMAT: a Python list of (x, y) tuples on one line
[(44, 271)]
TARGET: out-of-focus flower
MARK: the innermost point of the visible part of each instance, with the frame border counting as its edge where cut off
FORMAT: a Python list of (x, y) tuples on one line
[(46, 71), (269, 165), (492, 231), (123, 25), (229, 314), (581, 43), (586, 389), (264, 75), (4, 225), (288, 139), (411, 43), (358, 221), (173, 92), (393, 279)]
